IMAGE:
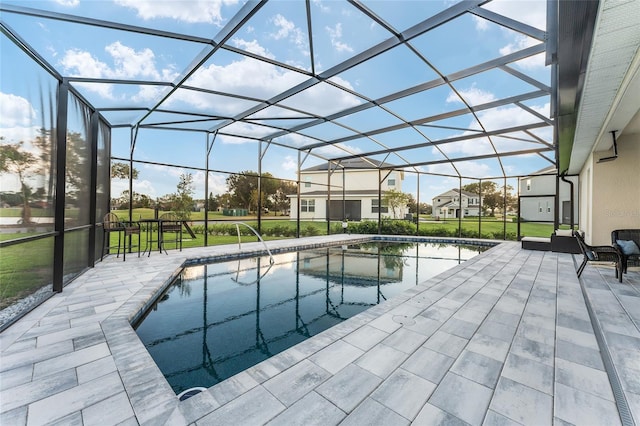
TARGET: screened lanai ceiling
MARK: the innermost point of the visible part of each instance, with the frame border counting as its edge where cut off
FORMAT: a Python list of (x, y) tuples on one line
[(436, 86)]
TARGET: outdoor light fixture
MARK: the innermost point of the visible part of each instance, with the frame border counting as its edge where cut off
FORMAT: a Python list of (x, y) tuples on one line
[(615, 150)]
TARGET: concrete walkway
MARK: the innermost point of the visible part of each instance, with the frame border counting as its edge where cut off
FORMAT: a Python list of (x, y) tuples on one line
[(504, 338)]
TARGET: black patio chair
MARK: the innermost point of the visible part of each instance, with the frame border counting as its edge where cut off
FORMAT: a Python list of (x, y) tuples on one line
[(621, 239), (169, 223), (598, 254), (112, 223)]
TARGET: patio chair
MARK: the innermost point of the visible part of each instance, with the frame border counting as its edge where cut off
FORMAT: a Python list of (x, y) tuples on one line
[(110, 224), (598, 254), (169, 223), (627, 241)]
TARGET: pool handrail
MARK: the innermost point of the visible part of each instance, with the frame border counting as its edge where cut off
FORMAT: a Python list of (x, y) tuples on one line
[(271, 259)]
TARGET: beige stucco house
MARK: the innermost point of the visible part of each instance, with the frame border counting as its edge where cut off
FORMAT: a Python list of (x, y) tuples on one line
[(599, 120), (455, 204), (357, 187)]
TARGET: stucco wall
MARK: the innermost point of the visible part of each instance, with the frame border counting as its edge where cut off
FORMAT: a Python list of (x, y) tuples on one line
[(545, 185), (353, 180), (614, 198)]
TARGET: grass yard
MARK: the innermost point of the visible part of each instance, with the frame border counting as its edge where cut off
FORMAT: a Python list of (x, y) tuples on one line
[(493, 227), (27, 267), (24, 268)]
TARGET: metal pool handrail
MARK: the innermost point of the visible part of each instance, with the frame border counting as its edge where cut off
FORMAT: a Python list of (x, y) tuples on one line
[(237, 280), (271, 259)]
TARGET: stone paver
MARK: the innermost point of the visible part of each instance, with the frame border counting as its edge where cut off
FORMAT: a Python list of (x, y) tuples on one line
[(504, 338)]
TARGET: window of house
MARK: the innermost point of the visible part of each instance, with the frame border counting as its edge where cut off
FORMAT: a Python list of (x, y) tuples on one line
[(466, 211), (308, 206), (438, 199), (539, 208), (392, 180), (375, 206), (528, 184), (307, 182), (548, 208)]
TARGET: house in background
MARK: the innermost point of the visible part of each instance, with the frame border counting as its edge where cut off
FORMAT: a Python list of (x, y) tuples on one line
[(455, 204), (537, 197), (355, 194)]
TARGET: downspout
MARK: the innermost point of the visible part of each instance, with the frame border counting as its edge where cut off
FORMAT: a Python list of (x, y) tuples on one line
[(556, 205), (562, 176)]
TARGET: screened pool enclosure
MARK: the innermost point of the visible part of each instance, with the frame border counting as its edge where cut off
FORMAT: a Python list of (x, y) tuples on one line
[(429, 95)]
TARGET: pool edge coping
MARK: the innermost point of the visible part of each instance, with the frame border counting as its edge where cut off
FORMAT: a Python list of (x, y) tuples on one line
[(152, 398)]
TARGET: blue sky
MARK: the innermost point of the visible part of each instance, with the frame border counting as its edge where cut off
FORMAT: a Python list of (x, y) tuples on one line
[(279, 32)]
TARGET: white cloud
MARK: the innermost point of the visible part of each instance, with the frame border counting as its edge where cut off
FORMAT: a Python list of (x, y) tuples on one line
[(18, 134), (296, 140), (499, 118), (262, 80), (81, 63), (248, 129), (472, 95), (127, 64), (289, 163), (495, 119), (68, 3), (324, 99), (288, 30), (470, 147), (193, 11), (252, 47), (320, 5), (149, 93), (481, 23), (144, 187), (239, 77), (18, 122), (336, 150), (285, 27), (15, 111), (531, 12), (469, 168), (522, 42), (217, 183), (118, 186), (335, 35)]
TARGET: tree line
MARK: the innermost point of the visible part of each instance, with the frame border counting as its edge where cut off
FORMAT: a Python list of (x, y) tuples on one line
[(242, 192)]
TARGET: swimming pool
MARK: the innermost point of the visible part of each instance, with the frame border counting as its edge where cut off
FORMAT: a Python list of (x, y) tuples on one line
[(218, 319)]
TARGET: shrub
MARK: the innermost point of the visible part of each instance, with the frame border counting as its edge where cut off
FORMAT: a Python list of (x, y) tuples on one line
[(364, 227), (398, 227), (310, 231), (197, 229)]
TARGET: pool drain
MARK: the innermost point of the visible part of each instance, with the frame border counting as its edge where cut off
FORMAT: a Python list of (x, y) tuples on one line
[(186, 394)]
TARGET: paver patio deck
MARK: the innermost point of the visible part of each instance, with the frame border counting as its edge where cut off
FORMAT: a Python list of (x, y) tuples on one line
[(504, 338)]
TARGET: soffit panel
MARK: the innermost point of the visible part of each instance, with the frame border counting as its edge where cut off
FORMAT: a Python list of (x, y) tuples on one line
[(616, 30)]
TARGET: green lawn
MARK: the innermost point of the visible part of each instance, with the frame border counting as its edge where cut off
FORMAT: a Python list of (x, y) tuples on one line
[(28, 266), (24, 268), (492, 226)]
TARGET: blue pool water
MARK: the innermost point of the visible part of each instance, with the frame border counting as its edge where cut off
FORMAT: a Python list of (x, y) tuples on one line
[(218, 319)]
